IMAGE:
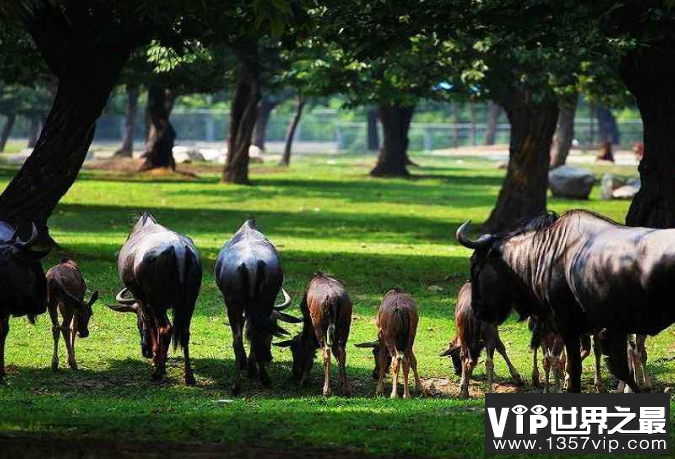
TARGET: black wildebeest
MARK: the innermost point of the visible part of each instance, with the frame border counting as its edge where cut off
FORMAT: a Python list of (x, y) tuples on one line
[(65, 294), (23, 286), (327, 316), (397, 321), (248, 273), (584, 273), (162, 270), (471, 337)]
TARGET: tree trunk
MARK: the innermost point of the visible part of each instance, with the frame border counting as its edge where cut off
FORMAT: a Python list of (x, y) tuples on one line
[(472, 120), (564, 134), (265, 107), (609, 129), (243, 113), (34, 131), (290, 132), (649, 74), (455, 121), (7, 130), (373, 135), (53, 166), (393, 157), (159, 147), (127, 148), (523, 193), (493, 113)]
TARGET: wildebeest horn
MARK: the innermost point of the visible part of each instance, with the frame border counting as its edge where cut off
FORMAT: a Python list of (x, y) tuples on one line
[(371, 344), (463, 239), (27, 244), (286, 303), (286, 343), (282, 316), (123, 307), (120, 297)]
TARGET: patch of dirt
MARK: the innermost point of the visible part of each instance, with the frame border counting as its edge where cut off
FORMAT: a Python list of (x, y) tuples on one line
[(444, 388), (16, 447), (131, 165)]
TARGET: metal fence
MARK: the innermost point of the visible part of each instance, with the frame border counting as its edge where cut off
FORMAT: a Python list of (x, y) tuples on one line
[(324, 125)]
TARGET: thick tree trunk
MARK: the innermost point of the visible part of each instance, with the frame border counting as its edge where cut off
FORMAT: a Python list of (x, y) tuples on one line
[(290, 132), (373, 135), (523, 193), (649, 74), (34, 131), (393, 158), (7, 130), (243, 114), (159, 147), (493, 113), (564, 134), (265, 107), (609, 129), (51, 169), (127, 147)]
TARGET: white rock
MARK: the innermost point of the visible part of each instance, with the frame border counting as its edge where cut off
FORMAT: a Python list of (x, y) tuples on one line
[(183, 155), (625, 192), (571, 182), (609, 184)]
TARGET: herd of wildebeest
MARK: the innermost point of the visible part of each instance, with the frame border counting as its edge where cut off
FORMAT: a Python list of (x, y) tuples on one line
[(578, 277)]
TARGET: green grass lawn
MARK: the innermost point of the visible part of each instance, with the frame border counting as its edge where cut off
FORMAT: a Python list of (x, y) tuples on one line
[(322, 214)]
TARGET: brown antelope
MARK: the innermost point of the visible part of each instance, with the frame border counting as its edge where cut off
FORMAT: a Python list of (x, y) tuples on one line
[(472, 336), (397, 325), (327, 315), (65, 294)]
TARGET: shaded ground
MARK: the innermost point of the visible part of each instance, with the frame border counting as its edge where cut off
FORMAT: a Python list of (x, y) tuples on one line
[(41, 448)]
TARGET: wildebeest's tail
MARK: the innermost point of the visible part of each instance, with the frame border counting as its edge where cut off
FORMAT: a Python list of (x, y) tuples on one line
[(186, 266), (403, 331), (57, 287), (332, 307), (537, 329), (259, 324)]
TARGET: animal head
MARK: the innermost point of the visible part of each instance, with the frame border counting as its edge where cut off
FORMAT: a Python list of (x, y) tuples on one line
[(453, 351), (492, 290), (376, 347), (131, 305), (83, 312), (19, 268), (303, 351)]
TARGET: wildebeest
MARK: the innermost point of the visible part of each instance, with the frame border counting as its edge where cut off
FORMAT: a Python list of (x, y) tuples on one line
[(327, 316), (23, 287), (248, 273), (471, 337), (65, 294), (397, 321), (637, 360), (584, 273), (162, 270)]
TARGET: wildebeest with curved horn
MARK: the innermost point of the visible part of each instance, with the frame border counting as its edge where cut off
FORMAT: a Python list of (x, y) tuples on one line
[(397, 321), (327, 315), (161, 269), (23, 286), (248, 273), (584, 273)]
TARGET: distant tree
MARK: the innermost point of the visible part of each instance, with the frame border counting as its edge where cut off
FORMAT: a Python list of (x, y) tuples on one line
[(493, 113), (292, 128), (564, 134), (86, 43)]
